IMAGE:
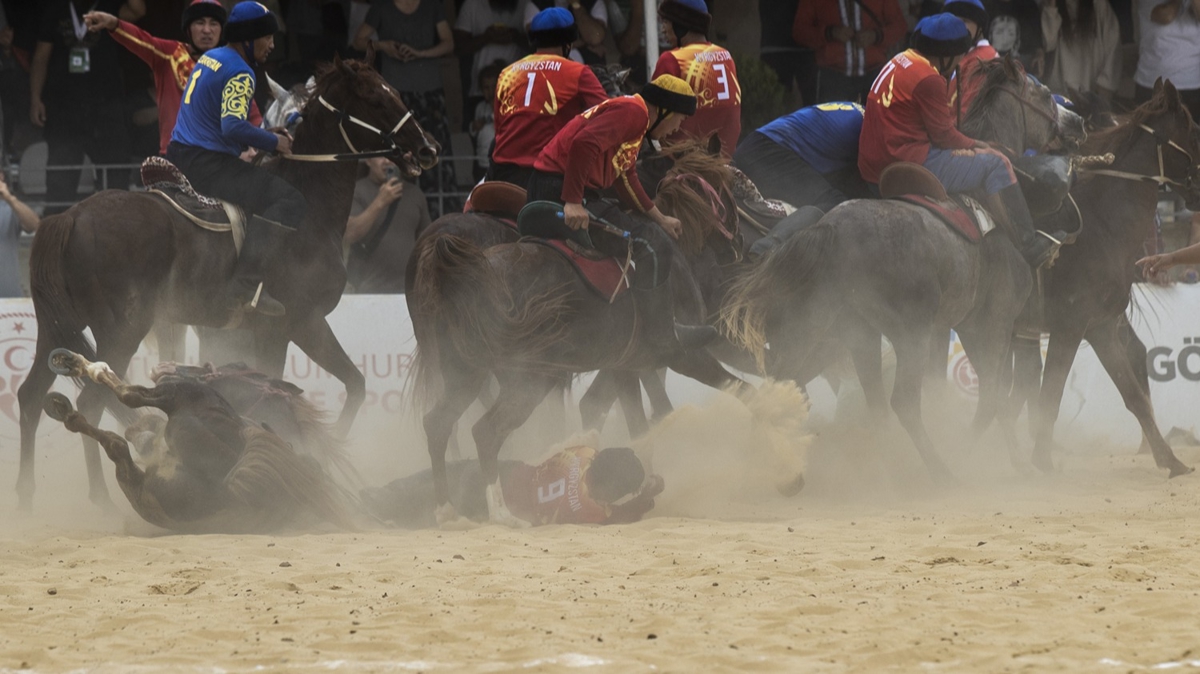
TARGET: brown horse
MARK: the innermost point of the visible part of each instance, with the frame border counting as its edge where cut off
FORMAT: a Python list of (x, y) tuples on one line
[(1088, 290), (119, 260)]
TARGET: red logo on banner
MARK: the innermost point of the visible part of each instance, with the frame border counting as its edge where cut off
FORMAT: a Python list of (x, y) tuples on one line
[(963, 374)]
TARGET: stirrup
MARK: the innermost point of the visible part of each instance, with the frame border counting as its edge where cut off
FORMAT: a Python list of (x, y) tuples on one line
[(265, 304), (1047, 258)]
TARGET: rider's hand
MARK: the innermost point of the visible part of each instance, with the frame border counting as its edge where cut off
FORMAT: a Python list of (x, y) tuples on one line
[(865, 38), (390, 191), (98, 21), (1152, 265), (671, 225), (982, 145), (37, 113), (841, 33), (575, 216), (654, 487), (284, 146)]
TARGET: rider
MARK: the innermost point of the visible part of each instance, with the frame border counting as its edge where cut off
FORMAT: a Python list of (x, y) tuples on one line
[(538, 95), (807, 158), (599, 149), (212, 131), (707, 68), (965, 84), (171, 61), (908, 118)]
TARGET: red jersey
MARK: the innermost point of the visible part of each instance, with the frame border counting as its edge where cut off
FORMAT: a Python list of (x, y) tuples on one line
[(172, 63), (710, 71), (535, 98), (599, 149), (967, 81), (907, 112), (554, 492)]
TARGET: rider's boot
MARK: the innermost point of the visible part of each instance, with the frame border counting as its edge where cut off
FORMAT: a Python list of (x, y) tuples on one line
[(1038, 248), (656, 309), (262, 235)]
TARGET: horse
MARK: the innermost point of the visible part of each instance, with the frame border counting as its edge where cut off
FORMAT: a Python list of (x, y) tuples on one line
[(521, 312), (118, 260), (214, 473), (1087, 291), (885, 267)]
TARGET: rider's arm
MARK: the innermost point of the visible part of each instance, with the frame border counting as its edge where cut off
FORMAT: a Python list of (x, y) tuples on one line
[(934, 103), (235, 107), (143, 45)]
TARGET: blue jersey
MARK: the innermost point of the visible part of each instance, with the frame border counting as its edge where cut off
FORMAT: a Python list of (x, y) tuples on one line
[(825, 136), (216, 102)]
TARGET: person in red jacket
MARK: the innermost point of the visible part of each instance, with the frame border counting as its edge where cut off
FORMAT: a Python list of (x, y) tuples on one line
[(707, 68), (850, 39), (172, 61), (598, 150), (907, 118), (965, 83), (538, 95)]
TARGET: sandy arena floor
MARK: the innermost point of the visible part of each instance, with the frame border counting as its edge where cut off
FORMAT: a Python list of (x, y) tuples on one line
[(871, 568)]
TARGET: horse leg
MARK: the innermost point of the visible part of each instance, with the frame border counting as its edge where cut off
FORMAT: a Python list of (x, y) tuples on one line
[(598, 400), (629, 392), (316, 339), (912, 353), (460, 387), (1135, 352), (939, 353), (93, 400), (655, 383), (1113, 355), (866, 352), (702, 367), (1064, 344), (29, 397), (520, 394), (169, 339)]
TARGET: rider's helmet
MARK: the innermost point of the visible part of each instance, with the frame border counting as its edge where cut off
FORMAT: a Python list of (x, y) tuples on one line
[(971, 10), (200, 9), (249, 21), (554, 27), (941, 35), (670, 94), (685, 16)]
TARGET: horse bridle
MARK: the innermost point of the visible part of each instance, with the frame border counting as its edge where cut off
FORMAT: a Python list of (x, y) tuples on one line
[(354, 153), (1160, 141), (1020, 96)]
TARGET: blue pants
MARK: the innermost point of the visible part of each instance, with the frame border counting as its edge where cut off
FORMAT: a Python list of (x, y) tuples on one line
[(985, 169)]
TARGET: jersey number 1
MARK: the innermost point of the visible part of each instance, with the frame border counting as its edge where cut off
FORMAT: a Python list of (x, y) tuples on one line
[(187, 99), (529, 89)]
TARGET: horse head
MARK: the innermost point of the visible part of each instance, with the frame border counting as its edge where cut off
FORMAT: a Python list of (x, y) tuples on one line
[(353, 110), (284, 110), (697, 190), (1176, 139), (615, 79), (1018, 113)]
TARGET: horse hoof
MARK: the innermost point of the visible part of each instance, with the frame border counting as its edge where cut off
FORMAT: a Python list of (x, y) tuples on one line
[(790, 489), (1178, 469), (57, 406), (65, 363)]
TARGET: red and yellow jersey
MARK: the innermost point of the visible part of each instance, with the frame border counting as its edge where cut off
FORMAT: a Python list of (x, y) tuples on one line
[(907, 112), (710, 72), (535, 98), (555, 492), (599, 149), (171, 63), (968, 80)]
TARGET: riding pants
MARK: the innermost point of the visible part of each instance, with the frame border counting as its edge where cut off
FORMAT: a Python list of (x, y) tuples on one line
[(652, 248), (982, 169), (509, 173), (227, 177), (782, 174)]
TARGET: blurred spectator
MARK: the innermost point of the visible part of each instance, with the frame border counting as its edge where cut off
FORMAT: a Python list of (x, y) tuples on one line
[(14, 84), (411, 35), (852, 40), (591, 19), (483, 126), (1016, 29), (318, 28), (630, 37), (1081, 38), (76, 93), (15, 217), (487, 31), (1169, 47), (791, 62), (385, 219)]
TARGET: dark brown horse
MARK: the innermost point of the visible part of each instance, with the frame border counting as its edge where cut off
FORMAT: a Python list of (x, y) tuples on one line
[(118, 261), (1088, 290)]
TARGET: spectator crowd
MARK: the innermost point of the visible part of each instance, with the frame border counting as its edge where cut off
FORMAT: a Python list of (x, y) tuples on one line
[(89, 93)]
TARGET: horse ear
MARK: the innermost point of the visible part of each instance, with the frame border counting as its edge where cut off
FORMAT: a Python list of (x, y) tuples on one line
[(342, 66), (714, 145), (1158, 85), (1172, 94), (277, 92)]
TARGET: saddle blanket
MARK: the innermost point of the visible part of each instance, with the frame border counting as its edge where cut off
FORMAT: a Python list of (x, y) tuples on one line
[(963, 214), (164, 179), (602, 275)]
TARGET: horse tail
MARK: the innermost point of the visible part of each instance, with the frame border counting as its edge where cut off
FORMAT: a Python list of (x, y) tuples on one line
[(56, 315), (786, 276)]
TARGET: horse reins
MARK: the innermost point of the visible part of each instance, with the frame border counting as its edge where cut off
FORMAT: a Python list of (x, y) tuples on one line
[(1020, 96), (1160, 179), (354, 153)]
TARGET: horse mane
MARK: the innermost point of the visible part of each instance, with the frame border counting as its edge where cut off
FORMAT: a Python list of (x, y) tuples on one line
[(682, 196), (995, 74)]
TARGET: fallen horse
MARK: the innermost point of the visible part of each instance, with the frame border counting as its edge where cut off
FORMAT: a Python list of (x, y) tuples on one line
[(214, 471)]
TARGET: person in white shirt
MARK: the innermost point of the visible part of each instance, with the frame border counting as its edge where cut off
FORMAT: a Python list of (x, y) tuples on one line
[(1169, 47), (15, 217), (488, 31), (1083, 37)]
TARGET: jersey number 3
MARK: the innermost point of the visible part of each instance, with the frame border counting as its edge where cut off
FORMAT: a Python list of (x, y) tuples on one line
[(723, 80)]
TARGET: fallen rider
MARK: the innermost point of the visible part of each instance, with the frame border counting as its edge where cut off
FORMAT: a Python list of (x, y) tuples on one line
[(575, 486)]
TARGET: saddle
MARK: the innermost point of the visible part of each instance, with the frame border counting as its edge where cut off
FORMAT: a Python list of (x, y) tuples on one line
[(915, 184), (497, 198), (542, 222), (164, 179)]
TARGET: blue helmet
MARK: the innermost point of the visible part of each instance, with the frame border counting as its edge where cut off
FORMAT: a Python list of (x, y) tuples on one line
[(552, 27), (941, 35), (249, 21), (690, 14)]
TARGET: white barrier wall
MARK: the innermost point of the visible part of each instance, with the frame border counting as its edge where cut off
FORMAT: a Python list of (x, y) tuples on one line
[(377, 333)]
